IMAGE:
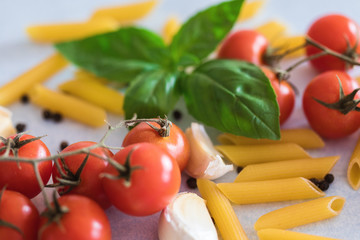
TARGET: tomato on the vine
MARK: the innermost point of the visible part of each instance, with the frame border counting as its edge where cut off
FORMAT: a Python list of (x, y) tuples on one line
[(336, 120), (247, 45), (338, 33), (16, 209), (176, 144), (89, 183), (20, 176), (148, 183), (285, 94), (79, 218)]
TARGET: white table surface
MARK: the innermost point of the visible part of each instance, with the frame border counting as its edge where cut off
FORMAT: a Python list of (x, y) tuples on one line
[(18, 54)]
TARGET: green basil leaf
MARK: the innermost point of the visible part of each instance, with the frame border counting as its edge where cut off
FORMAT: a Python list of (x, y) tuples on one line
[(120, 55), (233, 96), (152, 94), (201, 34)]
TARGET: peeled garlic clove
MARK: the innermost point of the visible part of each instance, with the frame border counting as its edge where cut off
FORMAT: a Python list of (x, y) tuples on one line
[(186, 218), (6, 126), (205, 161)]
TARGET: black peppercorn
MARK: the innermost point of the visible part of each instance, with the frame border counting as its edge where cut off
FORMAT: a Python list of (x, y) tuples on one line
[(239, 169), (315, 181), (20, 127), (24, 98), (63, 145), (47, 114), (329, 178), (323, 185), (57, 117), (191, 182), (177, 114)]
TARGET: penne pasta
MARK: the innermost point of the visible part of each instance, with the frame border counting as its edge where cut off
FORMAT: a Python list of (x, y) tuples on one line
[(280, 234), (54, 33), (125, 13), (96, 93), (85, 75), (284, 43), (242, 155), (221, 210), (353, 170), (13, 90), (301, 213), (171, 27), (304, 137), (249, 9), (68, 106), (307, 168), (270, 190), (272, 30)]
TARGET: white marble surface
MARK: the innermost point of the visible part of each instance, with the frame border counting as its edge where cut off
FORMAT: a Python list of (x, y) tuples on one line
[(18, 54)]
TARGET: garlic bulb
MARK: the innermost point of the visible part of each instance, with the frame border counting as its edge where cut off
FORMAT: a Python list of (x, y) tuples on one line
[(205, 161), (186, 218), (6, 126)]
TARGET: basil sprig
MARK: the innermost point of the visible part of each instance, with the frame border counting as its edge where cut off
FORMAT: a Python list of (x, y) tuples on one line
[(232, 96)]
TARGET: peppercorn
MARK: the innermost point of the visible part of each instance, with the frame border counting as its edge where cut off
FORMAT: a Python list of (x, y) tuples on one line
[(24, 99), (20, 127), (329, 178), (323, 185), (191, 182), (177, 114), (47, 114), (315, 181), (239, 169), (57, 117), (63, 145)]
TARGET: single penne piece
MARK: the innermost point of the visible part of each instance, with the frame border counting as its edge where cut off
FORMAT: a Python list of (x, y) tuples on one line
[(54, 33), (171, 27), (301, 213), (353, 170), (272, 30), (125, 13), (221, 210), (68, 106), (280, 234), (242, 155), (290, 42), (249, 9), (270, 190), (304, 137), (96, 93), (13, 90), (307, 168), (85, 75)]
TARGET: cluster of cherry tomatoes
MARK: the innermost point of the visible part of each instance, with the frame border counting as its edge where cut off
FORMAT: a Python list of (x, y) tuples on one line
[(140, 179), (331, 114)]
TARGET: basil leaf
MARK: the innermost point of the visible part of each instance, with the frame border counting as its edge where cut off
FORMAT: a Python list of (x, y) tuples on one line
[(120, 55), (151, 94), (201, 34), (233, 96)]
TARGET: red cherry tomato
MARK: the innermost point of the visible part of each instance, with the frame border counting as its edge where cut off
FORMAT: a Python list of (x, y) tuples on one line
[(285, 94), (89, 180), (21, 177), (247, 45), (330, 123), (152, 185), (176, 144), (85, 219), (335, 32), (18, 210)]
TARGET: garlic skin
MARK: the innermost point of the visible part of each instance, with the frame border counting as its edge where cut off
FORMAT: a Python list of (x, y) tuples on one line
[(6, 126), (205, 161), (186, 218)]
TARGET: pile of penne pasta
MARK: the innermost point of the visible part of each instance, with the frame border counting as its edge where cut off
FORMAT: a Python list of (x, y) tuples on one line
[(272, 171)]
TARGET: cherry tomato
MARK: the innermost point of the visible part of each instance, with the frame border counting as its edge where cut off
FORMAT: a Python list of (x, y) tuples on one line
[(176, 144), (154, 180), (247, 45), (336, 32), (21, 177), (327, 122), (89, 180), (85, 219), (285, 94), (18, 210)]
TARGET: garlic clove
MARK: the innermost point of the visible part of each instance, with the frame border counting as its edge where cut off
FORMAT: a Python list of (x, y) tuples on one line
[(205, 161), (186, 218), (6, 126)]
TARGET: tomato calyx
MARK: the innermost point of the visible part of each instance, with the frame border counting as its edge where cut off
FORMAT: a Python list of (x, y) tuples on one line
[(346, 103), (164, 123), (54, 212), (124, 171), (13, 145), (5, 223)]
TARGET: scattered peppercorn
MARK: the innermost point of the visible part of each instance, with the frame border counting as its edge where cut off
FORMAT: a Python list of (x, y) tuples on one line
[(239, 169), (24, 98), (57, 117), (177, 114), (191, 182), (20, 127), (323, 185), (329, 178), (63, 145), (47, 114), (315, 181)]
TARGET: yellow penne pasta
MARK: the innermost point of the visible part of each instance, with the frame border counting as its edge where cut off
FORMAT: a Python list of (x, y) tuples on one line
[(96, 93), (280, 234), (85, 75), (290, 42), (68, 106), (221, 210), (242, 155), (270, 190), (125, 13), (14, 89), (272, 30), (171, 27), (53, 33), (249, 9), (304, 137), (307, 168), (301, 213), (353, 170)]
